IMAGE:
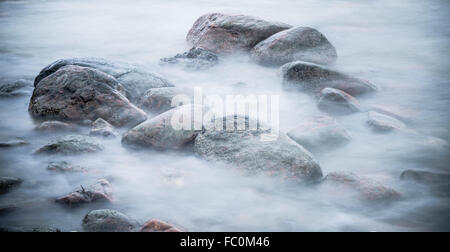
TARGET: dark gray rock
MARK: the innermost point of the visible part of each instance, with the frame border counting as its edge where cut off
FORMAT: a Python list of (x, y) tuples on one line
[(78, 93), (102, 128), (222, 33), (52, 126), (64, 167), (7, 183), (312, 78), (100, 191), (71, 144), (337, 102), (15, 88), (383, 123), (195, 59), (299, 43), (6, 141), (321, 133), (107, 220), (159, 100)]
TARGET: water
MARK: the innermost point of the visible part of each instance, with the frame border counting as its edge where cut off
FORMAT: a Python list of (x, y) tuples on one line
[(402, 46)]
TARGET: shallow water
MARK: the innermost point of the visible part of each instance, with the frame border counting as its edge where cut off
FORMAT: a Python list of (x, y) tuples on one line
[(402, 46)]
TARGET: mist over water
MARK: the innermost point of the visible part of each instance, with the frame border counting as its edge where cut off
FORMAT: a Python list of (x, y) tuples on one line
[(401, 46)]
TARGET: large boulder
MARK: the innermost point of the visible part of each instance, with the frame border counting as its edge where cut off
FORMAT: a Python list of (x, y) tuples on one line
[(196, 59), (107, 220), (312, 78), (7, 183), (246, 150), (100, 191), (159, 100), (135, 80), (384, 123), (71, 144), (222, 33), (299, 43), (102, 128), (159, 133), (337, 102), (159, 226), (78, 93), (319, 134)]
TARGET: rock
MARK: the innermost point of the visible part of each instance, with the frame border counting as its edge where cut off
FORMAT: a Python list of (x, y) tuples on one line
[(245, 150), (107, 220), (196, 59), (100, 191), (222, 33), (78, 93), (337, 102), (71, 144), (63, 167), (383, 123), (320, 133), (158, 226), (425, 177), (7, 183), (366, 189), (159, 100), (134, 79), (6, 141), (398, 112), (52, 126), (158, 132), (15, 88), (312, 78), (30, 229), (102, 128), (299, 43)]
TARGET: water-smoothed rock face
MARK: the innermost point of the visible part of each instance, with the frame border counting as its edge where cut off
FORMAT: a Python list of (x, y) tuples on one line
[(7, 183), (335, 101), (63, 167), (383, 123), (107, 220), (159, 100), (134, 80), (222, 33), (312, 78), (52, 126), (100, 191), (299, 43), (195, 59), (15, 88), (76, 93), (71, 145), (102, 128), (158, 226), (245, 149)]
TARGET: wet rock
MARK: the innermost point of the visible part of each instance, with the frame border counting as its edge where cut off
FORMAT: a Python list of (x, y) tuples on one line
[(158, 226), (337, 102), (159, 100), (63, 167), (312, 78), (6, 141), (398, 112), (425, 177), (249, 151), (299, 43), (71, 144), (383, 123), (366, 189), (15, 88), (107, 220), (78, 93), (30, 229), (102, 128), (52, 126), (7, 183), (135, 80), (222, 33), (320, 133), (100, 191), (159, 133), (196, 59)]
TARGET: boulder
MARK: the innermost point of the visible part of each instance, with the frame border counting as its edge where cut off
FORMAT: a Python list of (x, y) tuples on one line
[(366, 189), (107, 220), (159, 100), (337, 102), (71, 144), (158, 226), (6, 141), (248, 151), (319, 134), (425, 177), (78, 93), (196, 59), (299, 43), (383, 123), (52, 126), (135, 80), (63, 167), (15, 88), (100, 191), (7, 183), (221, 33), (312, 78), (102, 128)]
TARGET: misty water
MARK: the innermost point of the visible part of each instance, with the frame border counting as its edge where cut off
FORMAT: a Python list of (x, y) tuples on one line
[(401, 46)]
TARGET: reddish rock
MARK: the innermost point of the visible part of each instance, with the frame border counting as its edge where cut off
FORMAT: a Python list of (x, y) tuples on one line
[(158, 226), (100, 191)]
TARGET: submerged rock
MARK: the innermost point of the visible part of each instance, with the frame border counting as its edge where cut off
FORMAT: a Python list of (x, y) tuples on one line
[(312, 78), (222, 33), (320, 133), (398, 112), (7, 183), (63, 167), (299, 43), (383, 123), (6, 141), (158, 226), (337, 102), (107, 220), (102, 128), (15, 88), (52, 126), (29, 229), (196, 59), (71, 144), (425, 177), (100, 191), (159, 100), (78, 93)]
